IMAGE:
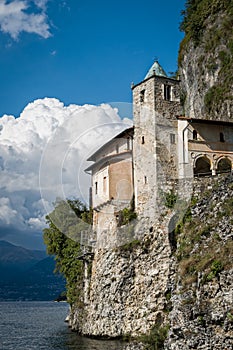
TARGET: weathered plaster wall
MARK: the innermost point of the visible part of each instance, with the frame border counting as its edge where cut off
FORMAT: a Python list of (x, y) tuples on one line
[(121, 180)]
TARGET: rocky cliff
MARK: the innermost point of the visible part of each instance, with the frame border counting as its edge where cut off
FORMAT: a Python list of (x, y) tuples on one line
[(174, 287), (201, 315), (206, 59)]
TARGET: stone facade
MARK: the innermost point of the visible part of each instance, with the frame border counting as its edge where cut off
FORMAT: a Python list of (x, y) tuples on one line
[(155, 139)]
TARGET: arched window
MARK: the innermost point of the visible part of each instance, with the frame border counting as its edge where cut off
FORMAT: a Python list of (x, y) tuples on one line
[(194, 134), (202, 167), (224, 166)]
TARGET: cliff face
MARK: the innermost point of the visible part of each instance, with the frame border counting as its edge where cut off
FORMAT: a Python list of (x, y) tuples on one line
[(127, 288), (206, 59), (182, 291), (201, 316)]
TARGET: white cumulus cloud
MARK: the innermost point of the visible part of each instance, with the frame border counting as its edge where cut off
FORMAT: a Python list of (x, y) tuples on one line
[(43, 156), (15, 18)]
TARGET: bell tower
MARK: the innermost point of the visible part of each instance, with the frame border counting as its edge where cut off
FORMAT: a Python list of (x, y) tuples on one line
[(156, 103)]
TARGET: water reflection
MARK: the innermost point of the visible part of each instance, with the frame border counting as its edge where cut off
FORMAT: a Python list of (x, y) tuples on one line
[(68, 340), (41, 326)]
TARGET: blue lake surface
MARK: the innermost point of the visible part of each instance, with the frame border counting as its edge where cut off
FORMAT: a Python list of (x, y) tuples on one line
[(40, 325)]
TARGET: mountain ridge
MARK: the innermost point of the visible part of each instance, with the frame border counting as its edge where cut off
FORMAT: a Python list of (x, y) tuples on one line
[(27, 274)]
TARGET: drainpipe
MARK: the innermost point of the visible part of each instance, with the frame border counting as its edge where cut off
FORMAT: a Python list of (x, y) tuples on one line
[(183, 131), (133, 180)]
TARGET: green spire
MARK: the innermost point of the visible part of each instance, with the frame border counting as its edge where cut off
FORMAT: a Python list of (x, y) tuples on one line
[(155, 69)]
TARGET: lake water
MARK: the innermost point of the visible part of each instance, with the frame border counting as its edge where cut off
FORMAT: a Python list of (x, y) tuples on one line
[(41, 326)]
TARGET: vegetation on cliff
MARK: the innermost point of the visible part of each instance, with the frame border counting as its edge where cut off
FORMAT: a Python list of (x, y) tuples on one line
[(62, 238), (207, 25), (204, 235), (199, 13), (201, 311)]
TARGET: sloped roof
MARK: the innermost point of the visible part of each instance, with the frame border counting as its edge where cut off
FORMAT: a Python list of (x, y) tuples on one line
[(205, 121), (156, 69), (121, 134)]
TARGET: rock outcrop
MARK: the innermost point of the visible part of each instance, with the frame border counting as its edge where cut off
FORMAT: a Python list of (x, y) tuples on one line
[(147, 284), (205, 60), (202, 315), (127, 288)]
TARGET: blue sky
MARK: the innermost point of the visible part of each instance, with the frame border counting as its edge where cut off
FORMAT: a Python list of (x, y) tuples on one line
[(90, 52), (61, 63)]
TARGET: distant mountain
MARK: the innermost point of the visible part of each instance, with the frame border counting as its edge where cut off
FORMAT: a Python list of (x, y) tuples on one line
[(18, 256), (27, 274)]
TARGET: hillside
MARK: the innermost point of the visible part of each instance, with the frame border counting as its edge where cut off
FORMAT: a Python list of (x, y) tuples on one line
[(206, 59), (11, 254), (27, 274)]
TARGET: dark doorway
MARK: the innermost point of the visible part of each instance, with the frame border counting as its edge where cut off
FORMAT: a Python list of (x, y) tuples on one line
[(224, 166), (202, 167)]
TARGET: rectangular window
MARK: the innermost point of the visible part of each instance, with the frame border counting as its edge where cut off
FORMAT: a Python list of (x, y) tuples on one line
[(142, 96), (96, 187), (128, 143), (104, 184), (167, 92), (172, 139), (221, 136)]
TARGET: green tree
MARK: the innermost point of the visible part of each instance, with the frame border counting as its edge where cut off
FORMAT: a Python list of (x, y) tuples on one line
[(197, 12), (62, 238)]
